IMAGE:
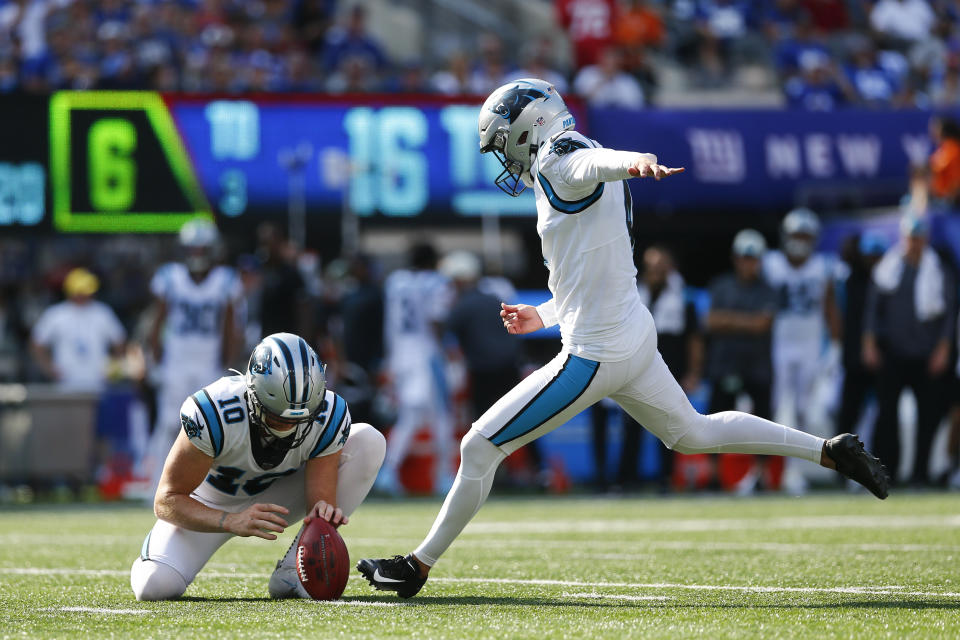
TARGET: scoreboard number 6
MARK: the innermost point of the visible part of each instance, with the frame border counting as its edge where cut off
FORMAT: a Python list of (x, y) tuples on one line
[(112, 169)]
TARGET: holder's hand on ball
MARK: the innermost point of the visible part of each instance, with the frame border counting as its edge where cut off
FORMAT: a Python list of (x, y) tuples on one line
[(328, 512)]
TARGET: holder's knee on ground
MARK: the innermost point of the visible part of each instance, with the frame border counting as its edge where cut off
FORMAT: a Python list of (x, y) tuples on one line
[(152, 580)]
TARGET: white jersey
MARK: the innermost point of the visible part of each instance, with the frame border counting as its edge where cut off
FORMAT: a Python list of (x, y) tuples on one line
[(414, 302), (79, 337), (215, 421), (801, 291), (584, 218), (195, 313)]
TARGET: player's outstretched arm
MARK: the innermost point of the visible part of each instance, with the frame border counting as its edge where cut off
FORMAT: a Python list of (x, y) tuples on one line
[(520, 318), (583, 168), (186, 467)]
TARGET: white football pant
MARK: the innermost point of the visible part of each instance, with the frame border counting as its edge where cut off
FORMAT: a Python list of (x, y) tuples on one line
[(171, 556)]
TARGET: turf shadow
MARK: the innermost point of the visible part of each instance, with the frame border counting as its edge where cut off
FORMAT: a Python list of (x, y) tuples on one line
[(482, 601), (221, 599)]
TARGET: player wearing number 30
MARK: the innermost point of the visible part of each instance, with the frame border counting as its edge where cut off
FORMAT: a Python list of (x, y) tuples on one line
[(193, 333), (609, 340), (256, 453)]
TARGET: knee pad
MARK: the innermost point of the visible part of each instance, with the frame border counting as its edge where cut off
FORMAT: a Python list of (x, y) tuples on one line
[(151, 580), (478, 456)]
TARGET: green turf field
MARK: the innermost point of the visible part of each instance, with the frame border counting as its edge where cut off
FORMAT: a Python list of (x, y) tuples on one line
[(710, 567)]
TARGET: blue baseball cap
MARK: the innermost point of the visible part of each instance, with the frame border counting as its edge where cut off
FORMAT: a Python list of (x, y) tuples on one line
[(872, 243)]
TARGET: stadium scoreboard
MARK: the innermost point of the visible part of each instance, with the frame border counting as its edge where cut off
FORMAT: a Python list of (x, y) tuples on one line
[(145, 162), (141, 161)]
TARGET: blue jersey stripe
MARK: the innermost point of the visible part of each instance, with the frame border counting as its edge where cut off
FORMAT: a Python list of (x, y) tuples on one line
[(212, 418), (337, 414), (288, 357), (568, 385), (568, 206)]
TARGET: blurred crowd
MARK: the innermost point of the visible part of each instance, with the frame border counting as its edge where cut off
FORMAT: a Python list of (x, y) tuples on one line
[(826, 342), (823, 54)]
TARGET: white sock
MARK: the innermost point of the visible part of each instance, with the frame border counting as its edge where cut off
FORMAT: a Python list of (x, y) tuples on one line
[(479, 459), (738, 432)]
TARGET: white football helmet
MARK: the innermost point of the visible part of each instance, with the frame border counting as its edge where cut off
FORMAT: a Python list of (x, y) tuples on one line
[(799, 232), (200, 243), (285, 381), (514, 121), (749, 243)]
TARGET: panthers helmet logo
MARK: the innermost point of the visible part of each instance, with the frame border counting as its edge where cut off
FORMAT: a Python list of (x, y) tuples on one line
[(261, 362), (514, 100)]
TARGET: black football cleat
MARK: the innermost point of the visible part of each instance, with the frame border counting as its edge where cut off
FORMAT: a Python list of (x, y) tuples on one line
[(399, 573), (855, 463)]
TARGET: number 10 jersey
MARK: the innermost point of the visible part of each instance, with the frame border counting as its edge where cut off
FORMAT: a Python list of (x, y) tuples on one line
[(246, 459)]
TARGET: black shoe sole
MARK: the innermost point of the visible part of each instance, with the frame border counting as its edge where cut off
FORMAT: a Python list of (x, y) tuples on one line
[(858, 465)]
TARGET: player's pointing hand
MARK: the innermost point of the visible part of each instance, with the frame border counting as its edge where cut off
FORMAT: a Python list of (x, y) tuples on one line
[(646, 169)]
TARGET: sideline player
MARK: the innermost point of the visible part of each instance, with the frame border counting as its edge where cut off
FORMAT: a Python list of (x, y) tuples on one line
[(193, 333), (417, 301), (609, 341), (803, 281), (256, 453)]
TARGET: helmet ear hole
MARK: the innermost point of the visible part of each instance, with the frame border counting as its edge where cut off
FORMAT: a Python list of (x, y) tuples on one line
[(523, 138)]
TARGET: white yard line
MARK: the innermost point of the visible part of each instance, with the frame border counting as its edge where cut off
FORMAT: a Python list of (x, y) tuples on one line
[(776, 547), (101, 610), (66, 571), (693, 545), (75, 539), (858, 590), (366, 603), (713, 524), (862, 590), (615, 596)]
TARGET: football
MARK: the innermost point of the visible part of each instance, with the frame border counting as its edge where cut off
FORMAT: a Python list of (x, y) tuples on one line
[(323, 563)]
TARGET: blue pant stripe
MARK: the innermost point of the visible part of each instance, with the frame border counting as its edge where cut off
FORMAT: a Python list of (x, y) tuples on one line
[(145, 549), (568, 385)]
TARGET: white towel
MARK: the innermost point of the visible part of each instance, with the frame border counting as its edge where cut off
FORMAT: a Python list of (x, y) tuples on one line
[(928, 289), (669, 310)]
